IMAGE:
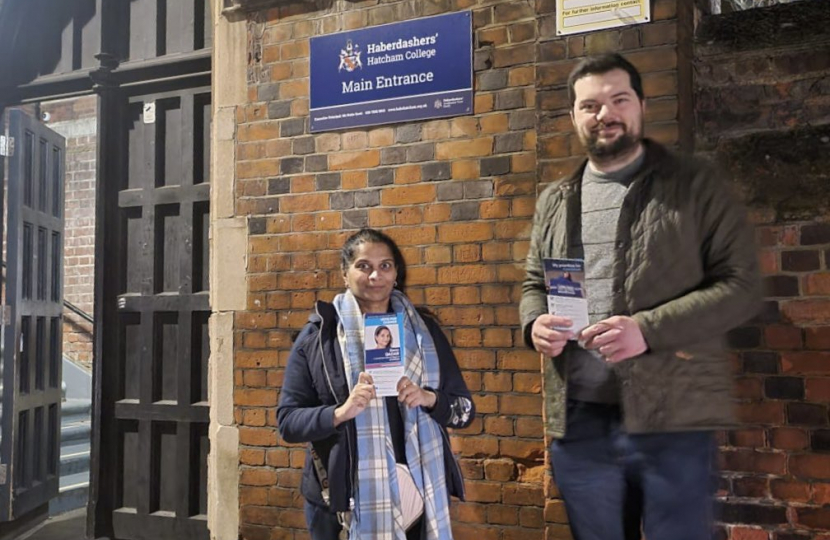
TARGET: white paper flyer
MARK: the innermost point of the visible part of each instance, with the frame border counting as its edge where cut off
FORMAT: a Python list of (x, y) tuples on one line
[(565, 279), (383, 343)]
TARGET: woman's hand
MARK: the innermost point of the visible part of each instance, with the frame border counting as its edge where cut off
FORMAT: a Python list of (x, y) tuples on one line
[(411, 395), (362, 393)]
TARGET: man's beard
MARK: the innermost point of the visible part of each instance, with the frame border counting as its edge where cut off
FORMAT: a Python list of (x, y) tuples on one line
[(607, 151)]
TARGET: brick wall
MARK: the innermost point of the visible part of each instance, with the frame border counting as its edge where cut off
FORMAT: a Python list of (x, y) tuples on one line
[(763, 111), (75, 119), (458, 195)]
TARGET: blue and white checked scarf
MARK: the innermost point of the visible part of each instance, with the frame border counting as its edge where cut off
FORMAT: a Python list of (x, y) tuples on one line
[(377, 513)]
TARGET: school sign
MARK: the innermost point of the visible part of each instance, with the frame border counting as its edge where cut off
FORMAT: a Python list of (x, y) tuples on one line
[(392, 73)]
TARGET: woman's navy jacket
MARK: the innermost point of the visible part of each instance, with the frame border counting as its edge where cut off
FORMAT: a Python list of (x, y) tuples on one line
[(315, 385)]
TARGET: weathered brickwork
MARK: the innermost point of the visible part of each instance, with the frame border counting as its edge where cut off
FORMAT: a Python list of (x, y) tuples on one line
[(458, 195), (763, 111), (75, 119)]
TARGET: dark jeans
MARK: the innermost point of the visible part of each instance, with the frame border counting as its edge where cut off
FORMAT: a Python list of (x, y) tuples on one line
[(614, 483), (323, 525)]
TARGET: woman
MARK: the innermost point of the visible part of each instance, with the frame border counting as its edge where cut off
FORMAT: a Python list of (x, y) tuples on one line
[(383, 338), (359, 442)]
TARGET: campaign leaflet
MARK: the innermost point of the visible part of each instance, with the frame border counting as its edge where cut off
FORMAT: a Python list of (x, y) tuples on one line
[(565, 280), (383, 344)]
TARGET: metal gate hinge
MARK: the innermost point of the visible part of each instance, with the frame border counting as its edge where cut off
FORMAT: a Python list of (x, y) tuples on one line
[(6, 146), (7, 315)]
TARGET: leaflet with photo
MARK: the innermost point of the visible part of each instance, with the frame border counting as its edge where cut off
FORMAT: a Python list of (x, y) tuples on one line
[(565, 280), (383, 346)]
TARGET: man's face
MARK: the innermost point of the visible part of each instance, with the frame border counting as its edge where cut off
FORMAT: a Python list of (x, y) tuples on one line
[(608, 115)]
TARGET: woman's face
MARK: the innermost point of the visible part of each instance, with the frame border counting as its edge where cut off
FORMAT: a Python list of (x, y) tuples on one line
[(383, 339), (371, 277)]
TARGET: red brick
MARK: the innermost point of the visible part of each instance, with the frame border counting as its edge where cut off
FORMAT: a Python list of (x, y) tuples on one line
[(781, 337), (500, 470), (487, 492), (498, 425), (768, 262), (817, 284), (363, 159), (498, 382), (464, 149), (530, 383), (818, 337), (253, 417), (486, 403), (756, 462), (748, 438), (469, 273), (806, 363), (529, 427), (817, 390), (465, 169), (748, 388), (522, 405), (555, 511), (466, 126), (252, 456), (520, 359), (524, 494), (522, 450), (784, 438), (816, 466), (820, 493), (807, 311), (761, 413), (745, 533), (468, 513), (470, 532), (815, 518), (750, 486), (406, 195), (256, 496)]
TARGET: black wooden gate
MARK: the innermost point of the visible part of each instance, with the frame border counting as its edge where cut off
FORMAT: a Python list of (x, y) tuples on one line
[(149, 63), (32, 338), (155, 447)]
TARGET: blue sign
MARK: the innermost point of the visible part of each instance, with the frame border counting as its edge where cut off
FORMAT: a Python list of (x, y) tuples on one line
[(393, 73)]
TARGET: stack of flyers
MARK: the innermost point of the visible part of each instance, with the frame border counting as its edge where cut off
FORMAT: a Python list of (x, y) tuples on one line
[(383, 346), (565, 280)]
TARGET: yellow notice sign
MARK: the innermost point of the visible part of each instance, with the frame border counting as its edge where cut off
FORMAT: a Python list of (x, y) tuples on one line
[(575, 16)]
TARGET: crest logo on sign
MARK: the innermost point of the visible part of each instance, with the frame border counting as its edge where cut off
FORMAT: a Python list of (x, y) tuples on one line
[(350, 57)]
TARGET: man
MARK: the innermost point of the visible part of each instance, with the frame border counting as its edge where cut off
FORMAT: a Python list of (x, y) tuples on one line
[(670, 267)]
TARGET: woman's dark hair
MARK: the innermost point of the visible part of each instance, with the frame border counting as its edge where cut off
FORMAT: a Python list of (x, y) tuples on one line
[(380, 329), (372, 236), (600, 64)]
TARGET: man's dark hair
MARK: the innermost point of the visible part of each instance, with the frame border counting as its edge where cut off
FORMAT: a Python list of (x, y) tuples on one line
[(600, 64)]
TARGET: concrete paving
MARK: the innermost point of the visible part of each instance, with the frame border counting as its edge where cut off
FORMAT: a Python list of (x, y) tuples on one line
[(69, 526)]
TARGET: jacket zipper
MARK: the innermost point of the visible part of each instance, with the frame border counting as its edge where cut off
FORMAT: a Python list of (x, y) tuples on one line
[(334, 394)]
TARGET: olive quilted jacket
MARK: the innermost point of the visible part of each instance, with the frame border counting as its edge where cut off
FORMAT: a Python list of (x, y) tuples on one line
[(685, 269)]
